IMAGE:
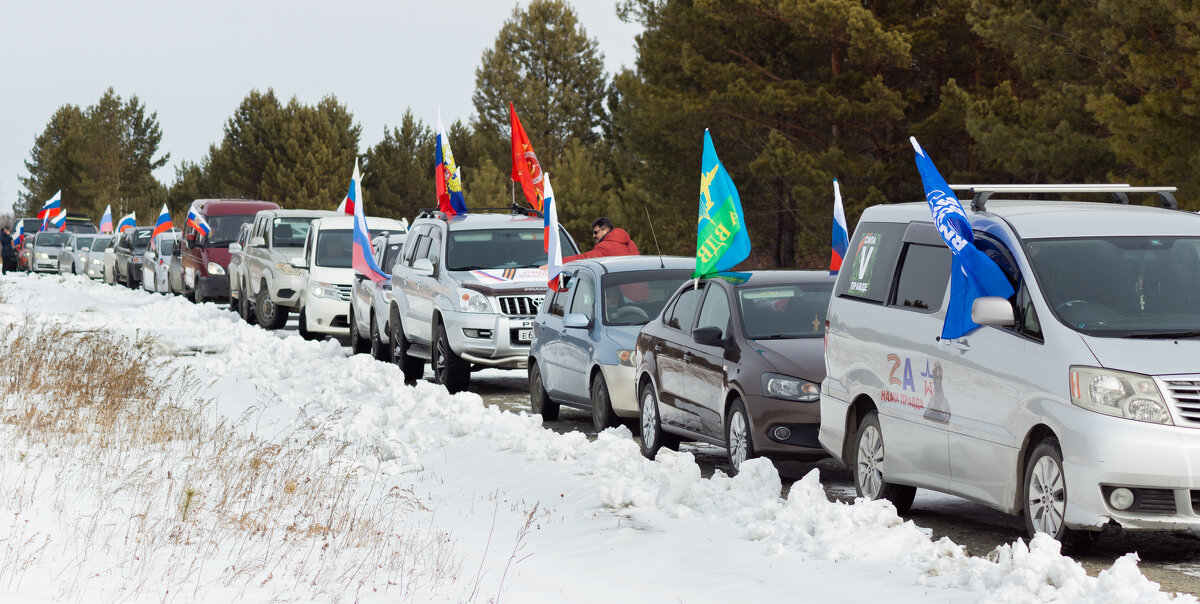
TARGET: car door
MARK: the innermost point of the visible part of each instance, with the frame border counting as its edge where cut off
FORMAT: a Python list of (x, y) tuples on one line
[(406, 286), (428, 287), (548, 335), (671, 370), (574, 358), (255, 256), (700, 405)]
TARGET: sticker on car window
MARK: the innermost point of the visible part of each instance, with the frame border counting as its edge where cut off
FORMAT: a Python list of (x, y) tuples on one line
[(864, 264)]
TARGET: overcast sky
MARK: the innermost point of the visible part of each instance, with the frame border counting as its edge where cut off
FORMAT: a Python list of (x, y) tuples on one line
[(194, 62)]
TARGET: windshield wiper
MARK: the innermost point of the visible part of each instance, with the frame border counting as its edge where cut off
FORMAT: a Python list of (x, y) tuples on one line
[(1166, 335)]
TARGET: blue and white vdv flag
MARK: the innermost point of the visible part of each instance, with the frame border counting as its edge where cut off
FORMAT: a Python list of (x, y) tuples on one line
[(972, 273)]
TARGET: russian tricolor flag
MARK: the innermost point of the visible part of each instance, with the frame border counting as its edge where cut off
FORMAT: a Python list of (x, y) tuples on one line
[(360, 254), (552, 243), (59, 221), (447, 175), (198, 222), (164, 223), (129, 220), (841, 236), (347, 206), (52, 207), (106, 225)]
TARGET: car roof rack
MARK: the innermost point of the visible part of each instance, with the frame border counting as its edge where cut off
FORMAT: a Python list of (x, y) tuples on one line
[(512, 209), (1120, 192)]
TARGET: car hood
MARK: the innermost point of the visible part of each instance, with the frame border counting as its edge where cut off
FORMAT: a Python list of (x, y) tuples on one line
[(220, 255), (798, 357), (498, 282), (1149, 357), (332, 276)]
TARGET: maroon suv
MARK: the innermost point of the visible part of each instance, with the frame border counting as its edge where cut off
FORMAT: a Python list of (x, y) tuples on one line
[(205, 258)]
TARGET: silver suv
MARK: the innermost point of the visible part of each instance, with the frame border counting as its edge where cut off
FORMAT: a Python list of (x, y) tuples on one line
[(465, 292), (1076, 403), (271, 282)]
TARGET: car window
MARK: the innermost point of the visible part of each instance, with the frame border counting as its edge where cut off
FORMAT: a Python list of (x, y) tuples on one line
[(1027, 323), (435, 246), (584, 301), (867, 273), (422, 249), (924, 273), (784, 311), (683, 311), (715, 310), (475, 249), (635, 297), (391, 253), (290, 232), (413, 242)]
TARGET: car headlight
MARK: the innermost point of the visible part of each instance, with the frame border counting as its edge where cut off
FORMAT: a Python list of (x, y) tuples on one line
[(97, 261), (215, 269), (137, 259), (43, 256), (1120, 394), (286, 268), (470, 300), (790, 388), (324, 290), (625, 357)]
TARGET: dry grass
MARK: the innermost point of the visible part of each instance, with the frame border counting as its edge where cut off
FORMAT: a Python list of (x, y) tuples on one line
[(138, 474)]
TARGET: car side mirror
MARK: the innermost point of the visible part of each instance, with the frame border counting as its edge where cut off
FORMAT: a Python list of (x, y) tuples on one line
[(423, 267), (68, 248), (257, 242), (235, 248), (298, 262), (577, 320), (708, 336), (992, 310)]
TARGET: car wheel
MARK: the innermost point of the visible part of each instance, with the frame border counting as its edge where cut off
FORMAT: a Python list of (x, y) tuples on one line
[(270, 315), (1046, 497), (539, 399), (603, 415), (653, 437), (739, 444), (868, 467), (247, 309), (357, 345), (449, 369), (303, 328), (412, 367), (378, 349)]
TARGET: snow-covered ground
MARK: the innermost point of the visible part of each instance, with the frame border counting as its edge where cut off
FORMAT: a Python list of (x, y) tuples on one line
[(495, 507)]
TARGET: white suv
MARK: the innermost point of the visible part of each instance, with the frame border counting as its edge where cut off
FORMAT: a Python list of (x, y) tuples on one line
[(271, 279)]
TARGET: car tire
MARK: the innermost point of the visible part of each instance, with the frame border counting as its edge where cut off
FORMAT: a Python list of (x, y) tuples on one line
[(270, 315), (869, 481), (539, 399), (739, 439), (653, 436), (247, 309), (303, 328), (379, 351), (603, 415), (357, 344), (449, 369), (1045, 492), (412, 367)]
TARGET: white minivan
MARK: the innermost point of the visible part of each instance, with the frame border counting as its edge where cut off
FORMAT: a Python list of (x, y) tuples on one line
[(1077, 401), (328, 277)]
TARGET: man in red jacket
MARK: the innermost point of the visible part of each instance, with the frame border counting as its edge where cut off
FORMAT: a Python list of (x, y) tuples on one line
[(609, 242)]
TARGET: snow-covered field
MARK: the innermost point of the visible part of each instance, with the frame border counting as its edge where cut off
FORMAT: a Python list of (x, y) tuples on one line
[(463, 502)]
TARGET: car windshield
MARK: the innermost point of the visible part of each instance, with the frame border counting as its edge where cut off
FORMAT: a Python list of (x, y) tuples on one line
[(289, 232), (51, 239), (1140, 287), (333, 248), (83, 244), (140, 240), (225, 228), (784, 311), (100, 243), (635, 297), (499, 248)]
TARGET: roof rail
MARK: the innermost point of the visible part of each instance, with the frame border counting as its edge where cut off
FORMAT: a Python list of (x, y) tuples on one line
[(513, 209), (1120, 192)]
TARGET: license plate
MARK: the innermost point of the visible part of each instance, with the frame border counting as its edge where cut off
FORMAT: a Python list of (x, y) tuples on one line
[(524, 335)]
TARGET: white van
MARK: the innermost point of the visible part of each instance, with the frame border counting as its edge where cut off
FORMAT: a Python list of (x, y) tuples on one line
[(1076, 404), (327, 279)]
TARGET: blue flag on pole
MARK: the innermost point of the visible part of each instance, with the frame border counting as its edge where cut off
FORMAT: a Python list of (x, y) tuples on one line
[(721, 238), (972, 273)]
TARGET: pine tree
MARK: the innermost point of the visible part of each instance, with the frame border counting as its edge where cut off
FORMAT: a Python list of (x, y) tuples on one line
[(398, 171)]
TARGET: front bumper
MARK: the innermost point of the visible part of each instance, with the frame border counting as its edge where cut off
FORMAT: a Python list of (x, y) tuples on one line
[(95, 271), (621, 391), (327, 316), (42, 265), (771, 417), (213, 287), (286, 290), (499, 348)]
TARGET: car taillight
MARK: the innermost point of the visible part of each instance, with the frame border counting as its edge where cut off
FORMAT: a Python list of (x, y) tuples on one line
[(826, 334)]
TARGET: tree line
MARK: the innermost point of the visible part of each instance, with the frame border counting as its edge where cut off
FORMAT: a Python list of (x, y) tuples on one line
[(794, 92)]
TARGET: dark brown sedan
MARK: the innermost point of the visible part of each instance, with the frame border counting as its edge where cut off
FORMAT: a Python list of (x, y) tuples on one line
[(737, 362)]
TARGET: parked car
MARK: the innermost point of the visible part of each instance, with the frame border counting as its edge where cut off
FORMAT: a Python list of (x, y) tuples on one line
[(156, 262), (1073, 404), (370, 301), (583, 337), (79, 223), (127, 255), (737, 361), (74, 252), (110, 259), (272, 278), (175, 270), (204, 258), (328, 277), (94, 260), (465, 292), (44, 250), (236, 269)]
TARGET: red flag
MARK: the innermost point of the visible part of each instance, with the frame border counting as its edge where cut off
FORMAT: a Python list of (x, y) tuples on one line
[(525, 168)]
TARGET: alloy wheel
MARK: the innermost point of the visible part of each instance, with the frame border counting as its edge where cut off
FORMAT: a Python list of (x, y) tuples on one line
[(868, 468), (1046, 496), (649, 419), (738, 438)]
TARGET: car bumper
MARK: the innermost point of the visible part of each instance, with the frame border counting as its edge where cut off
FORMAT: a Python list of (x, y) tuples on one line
[(213, 287), (286, 290), (95, 271), (1108, 451), (327, 316), (499, 348), (785, 429), (621, 394)]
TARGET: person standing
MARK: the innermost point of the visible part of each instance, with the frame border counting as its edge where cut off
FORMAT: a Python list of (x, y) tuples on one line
[(610, 241), (8, 253)]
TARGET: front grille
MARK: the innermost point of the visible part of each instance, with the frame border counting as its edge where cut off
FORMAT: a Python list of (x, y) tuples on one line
[(520, 306), (339, 321), (344, 292), (1185, 398)]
